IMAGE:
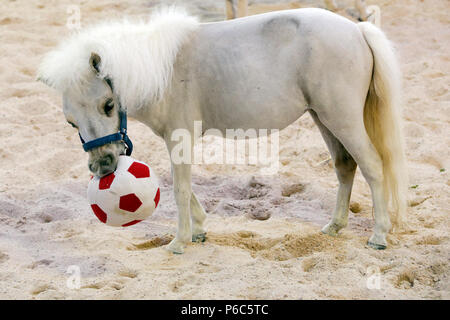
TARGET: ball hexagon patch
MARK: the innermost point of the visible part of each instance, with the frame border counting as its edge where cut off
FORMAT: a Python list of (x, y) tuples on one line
[(106, 182), (101, 215), (131, 223), (139, 170), (157, 198), (129, 202)]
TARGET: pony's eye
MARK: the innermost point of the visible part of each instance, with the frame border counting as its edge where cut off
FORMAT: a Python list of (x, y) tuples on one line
[(72, 125), (109, 105)]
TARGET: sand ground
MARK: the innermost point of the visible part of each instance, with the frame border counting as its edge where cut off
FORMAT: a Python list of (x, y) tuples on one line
[(46, 225)]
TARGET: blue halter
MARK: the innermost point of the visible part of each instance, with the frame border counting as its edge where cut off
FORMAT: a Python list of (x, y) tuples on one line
[(118, 136)]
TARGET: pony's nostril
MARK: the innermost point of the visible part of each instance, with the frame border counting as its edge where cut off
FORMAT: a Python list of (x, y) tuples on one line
[(106, 161), (104, 165)]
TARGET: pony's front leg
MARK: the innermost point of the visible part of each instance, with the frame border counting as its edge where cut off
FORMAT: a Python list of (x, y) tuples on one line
[(181, 174), (198, 217)]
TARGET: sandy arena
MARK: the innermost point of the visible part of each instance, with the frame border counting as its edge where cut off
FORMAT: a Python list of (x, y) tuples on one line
[(46, 225)]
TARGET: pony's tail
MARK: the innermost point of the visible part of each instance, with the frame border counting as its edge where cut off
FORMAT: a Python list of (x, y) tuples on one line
[(382, 119)]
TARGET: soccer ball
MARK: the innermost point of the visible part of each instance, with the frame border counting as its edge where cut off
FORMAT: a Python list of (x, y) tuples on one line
[(127, 196)]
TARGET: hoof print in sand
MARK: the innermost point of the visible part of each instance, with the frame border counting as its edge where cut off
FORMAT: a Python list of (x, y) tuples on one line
[(154, 242)]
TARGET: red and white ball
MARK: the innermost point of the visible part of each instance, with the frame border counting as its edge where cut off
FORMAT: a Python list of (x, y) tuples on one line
[(127, 196)]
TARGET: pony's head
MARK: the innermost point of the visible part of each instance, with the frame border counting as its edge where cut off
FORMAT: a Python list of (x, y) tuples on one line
[(92, 107), (113, 65)]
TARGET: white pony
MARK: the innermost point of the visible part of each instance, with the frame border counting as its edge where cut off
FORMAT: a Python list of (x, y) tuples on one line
[(263, 71)]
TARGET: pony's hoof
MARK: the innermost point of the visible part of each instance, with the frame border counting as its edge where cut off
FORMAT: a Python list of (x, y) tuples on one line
[(331, 229), (175, 246), (377, 241), (201, 237), (376, 246)]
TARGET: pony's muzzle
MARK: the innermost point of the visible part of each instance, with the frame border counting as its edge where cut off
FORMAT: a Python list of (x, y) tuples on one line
[(104, 165)]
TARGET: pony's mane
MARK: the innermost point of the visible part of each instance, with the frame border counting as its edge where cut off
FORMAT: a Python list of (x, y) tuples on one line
[(138, 57)]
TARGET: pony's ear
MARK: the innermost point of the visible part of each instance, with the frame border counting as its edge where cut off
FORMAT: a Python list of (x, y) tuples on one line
[(94, 62)]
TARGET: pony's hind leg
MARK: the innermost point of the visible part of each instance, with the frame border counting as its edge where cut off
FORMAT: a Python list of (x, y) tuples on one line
[(353, 136), (198, 216), (345, 168)]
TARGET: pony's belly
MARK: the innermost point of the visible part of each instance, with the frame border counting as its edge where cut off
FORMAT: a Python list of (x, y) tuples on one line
[(254, 117)]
